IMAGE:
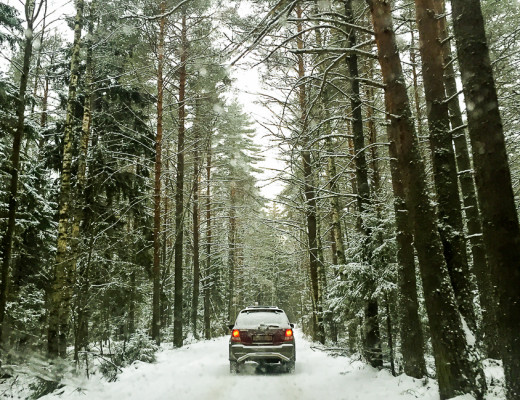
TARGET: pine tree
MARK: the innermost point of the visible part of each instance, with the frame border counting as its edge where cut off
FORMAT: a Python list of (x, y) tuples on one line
[(456, 369), (493, 179), (32, 11), (61, 293)]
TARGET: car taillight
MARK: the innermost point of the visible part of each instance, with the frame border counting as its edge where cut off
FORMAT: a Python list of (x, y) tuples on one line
[(235, 335), (288, 334)]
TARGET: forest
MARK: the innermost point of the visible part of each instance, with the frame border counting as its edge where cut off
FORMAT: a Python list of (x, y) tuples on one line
[(133, 212)]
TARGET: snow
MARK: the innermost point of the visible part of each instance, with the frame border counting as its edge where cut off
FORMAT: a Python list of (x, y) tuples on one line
[(201, 371), (470, 338)]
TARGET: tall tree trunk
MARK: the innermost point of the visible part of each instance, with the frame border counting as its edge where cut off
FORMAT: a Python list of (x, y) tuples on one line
[(165, 273), (7, 242), (208, 276), (61, 292), (469, 196), (410, 329), (371, 329), (81, 185), (179, 194), (156, 271), (232, 236), (338, 249), (493, 180), (337, 234), (196, 218), (443, 159), (457, 369), (310, 197)]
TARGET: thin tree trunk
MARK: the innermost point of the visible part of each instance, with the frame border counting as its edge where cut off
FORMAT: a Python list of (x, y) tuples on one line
[(81, 336), (338, 249), (39, 57), (165, 274), (390, 335), (45, 100), (322, 276), (80, 187), (131, 305), (457, 369), (208, 281), (493, 180), (232, 235), (196, 218), (61, 292), (415, 77), (179, 194), (372, 335), (310, 198), (156, 274)]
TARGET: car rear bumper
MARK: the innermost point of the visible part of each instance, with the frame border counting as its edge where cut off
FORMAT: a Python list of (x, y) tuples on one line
[(241, 353)]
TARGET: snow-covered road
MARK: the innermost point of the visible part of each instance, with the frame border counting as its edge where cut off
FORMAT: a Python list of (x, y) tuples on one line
[(201, 371)]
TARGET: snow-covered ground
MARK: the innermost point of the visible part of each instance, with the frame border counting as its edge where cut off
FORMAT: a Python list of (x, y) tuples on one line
[(200, 371)]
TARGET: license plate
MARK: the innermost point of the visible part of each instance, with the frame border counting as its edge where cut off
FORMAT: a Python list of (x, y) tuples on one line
[(262, 338)]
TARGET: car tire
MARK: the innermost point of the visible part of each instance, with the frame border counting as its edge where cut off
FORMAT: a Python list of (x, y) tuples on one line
[(289, 367), (233, 367)]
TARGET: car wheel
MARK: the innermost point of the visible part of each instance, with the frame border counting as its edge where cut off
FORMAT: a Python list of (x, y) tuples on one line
[(289, 367), (233, 367)]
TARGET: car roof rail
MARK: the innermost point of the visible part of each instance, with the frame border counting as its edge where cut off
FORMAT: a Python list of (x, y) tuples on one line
[(264, 307)]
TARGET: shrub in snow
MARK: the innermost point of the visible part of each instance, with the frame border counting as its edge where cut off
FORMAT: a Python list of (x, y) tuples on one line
[(140, 347)]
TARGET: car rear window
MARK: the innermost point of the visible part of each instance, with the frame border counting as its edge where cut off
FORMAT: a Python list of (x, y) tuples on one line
[(252, 319)]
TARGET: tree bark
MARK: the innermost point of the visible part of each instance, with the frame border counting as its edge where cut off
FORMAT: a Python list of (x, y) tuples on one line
[(61, 292), (500, 228), (232, 236), (196, 219), (469, 196), (410, 327), (82, 284), (156, 271), (179, 194), (416, 89), (390, 335), (456, 367), (338, 249), (443, 160), (310, 197), (208, 280), (372, 335)]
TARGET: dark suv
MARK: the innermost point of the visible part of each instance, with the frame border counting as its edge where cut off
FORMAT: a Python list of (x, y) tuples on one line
[(262, 334)]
